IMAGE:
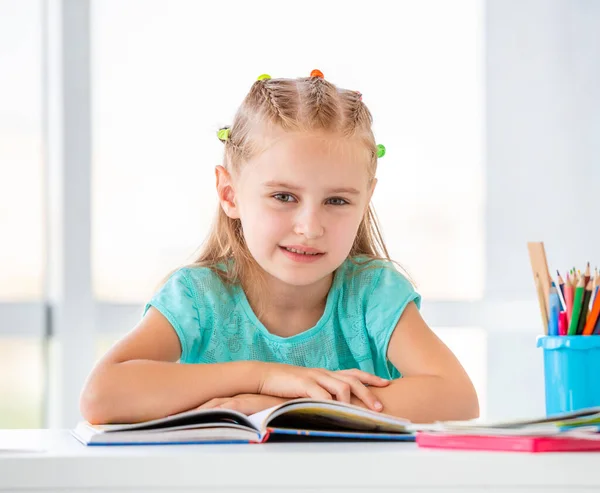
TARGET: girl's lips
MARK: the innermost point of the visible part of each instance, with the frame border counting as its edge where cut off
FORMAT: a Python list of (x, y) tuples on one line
[(300, 257), (302, 248)]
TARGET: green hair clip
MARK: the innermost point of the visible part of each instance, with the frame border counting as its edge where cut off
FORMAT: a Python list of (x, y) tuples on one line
[(263, 76), (380, 150), (223, 134)]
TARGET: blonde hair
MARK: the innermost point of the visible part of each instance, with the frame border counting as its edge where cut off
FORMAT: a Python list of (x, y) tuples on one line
[(293, 105)]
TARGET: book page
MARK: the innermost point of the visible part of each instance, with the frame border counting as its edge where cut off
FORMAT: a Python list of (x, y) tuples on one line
[(186, 419), (260, 419), (209, 434), (585, 416), (327, 415)]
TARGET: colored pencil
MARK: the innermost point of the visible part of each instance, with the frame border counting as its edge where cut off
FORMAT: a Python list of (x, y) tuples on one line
[(585, 307), (561, 285), (562, 323), (597, 327), (595, 287), (554, 311), (569, 297), (592, 318), (577, 305), (587, 273)]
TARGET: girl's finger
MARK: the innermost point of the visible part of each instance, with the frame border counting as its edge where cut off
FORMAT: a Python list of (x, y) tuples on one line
[(363, 393), (336, 386), (365, 377), (213, 403), (313, 390), (233, 404), (244, 405)]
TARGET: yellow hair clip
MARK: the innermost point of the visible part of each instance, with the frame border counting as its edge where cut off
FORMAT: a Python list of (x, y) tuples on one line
[(223, 134), (263, 77)]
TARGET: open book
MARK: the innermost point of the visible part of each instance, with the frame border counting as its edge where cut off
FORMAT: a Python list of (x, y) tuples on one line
[(298, 417)]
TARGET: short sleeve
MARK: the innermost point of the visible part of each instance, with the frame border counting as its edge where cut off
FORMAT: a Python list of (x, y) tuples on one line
[(390, 295), (177, 301)]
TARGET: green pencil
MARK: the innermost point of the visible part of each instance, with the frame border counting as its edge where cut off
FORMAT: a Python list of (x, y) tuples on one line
[(577, 304)]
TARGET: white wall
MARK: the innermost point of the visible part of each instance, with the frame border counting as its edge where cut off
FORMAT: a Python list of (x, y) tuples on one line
[(543, 168)]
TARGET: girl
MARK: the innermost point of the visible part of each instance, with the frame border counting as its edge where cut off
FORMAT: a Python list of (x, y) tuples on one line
[(293, 294)]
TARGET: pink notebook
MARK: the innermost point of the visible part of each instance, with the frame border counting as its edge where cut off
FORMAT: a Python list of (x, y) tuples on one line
[(507, 443)]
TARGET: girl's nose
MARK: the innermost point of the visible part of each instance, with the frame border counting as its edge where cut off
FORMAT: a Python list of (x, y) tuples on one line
[(309, 225)]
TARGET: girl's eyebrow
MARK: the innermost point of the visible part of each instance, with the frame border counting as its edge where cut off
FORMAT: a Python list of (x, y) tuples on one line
[(280, 184)]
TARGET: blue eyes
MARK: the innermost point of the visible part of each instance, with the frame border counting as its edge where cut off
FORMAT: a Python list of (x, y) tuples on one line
[(289, 198)]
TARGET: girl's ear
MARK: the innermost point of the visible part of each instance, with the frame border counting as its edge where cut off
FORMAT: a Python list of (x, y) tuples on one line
[(226, 192)]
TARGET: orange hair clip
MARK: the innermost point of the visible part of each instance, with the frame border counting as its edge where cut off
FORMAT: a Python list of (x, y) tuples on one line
[(317, 73)]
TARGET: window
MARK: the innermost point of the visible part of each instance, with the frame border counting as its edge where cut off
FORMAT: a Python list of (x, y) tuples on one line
[(163, 87), (21, 213), (21, 172)]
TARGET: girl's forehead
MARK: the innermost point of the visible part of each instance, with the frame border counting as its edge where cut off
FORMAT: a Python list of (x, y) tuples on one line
[(317, 144), (309, 152)]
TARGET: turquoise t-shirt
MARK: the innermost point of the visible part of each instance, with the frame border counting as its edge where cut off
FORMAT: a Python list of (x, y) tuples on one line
[(215, 323)]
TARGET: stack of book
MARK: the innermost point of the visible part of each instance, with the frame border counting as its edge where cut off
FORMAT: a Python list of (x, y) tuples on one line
[(567, 432)]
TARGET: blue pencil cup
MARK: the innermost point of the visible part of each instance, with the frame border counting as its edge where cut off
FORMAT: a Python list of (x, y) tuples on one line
[(571, 372)]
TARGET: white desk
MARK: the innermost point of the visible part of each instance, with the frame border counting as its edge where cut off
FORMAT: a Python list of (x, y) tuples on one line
[(61, 464)]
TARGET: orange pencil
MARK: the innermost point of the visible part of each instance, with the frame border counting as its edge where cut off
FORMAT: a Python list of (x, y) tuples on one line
[(592, 318)]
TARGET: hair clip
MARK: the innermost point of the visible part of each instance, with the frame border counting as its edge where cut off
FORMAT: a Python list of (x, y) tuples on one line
[(263, 77), (380, 150), (223, 134), (317, 73), (359, 95)]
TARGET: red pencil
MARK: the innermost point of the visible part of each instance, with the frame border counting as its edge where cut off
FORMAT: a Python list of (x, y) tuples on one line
[(562, 323)]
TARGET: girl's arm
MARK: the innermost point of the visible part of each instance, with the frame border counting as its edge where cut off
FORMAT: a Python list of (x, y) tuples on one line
[(434, 386), (139, 379)]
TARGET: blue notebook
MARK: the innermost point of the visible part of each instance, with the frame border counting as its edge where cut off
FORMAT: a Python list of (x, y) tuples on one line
[(298, 418)]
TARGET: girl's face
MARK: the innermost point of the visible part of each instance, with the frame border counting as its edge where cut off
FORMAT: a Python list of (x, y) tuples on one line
[(306, 193)]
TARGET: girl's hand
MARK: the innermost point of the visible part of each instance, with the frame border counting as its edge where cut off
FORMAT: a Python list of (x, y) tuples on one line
[(289, 381), (244, 403)]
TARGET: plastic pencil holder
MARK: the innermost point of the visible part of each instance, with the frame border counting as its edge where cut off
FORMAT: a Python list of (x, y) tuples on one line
[(571, 372)]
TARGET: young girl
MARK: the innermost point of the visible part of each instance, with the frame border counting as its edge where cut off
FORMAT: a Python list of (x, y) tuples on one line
[(293, 294)]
